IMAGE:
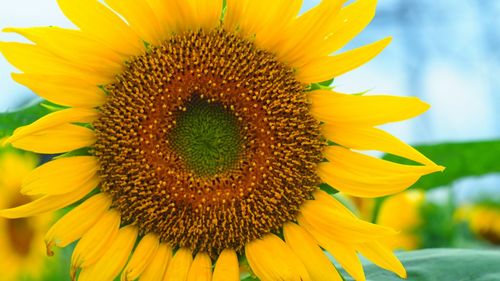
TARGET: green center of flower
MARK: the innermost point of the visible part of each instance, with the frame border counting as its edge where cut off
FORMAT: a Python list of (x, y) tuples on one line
[(206, 137)]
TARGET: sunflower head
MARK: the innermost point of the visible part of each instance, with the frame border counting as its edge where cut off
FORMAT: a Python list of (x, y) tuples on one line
[(206, 139)]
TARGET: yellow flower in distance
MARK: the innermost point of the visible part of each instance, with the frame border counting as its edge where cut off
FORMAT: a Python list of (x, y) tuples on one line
[(22, 254), (364, 207), (402, 213), (205, 139), (484, 221)]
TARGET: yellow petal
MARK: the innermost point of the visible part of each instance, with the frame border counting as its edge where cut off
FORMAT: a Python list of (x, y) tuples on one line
[(143, 255), (227, 266), (76, 222), (71, 115), (307, 33), (350, 21), (305, 247), (337, 225), (178, 267), (97, 21), (365, 186), (344, 157), (358, 110), (96, 241), (53, 133), (345, 254), (271, 259), (115, 257), (60, 176), (267, 25), (182, 15), (347, 257), (201, 269), (155, 270), (32, 59), (141, 18), (326, 68), (343, 251), (205, 13), (49, 203), (321, 197), (60, 139), (365, 176), (165, 12), (75, 47), (368, 138), (383, 257), (63, 90)]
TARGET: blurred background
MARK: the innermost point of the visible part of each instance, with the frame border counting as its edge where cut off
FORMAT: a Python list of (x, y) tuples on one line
[(446, 52)]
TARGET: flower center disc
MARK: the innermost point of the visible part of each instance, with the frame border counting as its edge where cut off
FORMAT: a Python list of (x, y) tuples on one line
[(207, 137), (207, 141)]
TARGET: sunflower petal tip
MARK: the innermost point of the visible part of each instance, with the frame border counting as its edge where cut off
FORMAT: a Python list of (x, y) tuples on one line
[(436, 168), (8, 29), (6, 141), (402, 273), (418, 106), (383, 43), (424, 104), (15, 75)]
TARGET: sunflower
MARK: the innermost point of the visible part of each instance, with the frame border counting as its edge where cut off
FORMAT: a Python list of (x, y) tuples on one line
[(198, 138), (23, 254)]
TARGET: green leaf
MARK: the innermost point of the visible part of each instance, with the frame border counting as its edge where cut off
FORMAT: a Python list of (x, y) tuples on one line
[(52, 106), (9, 121), (79, 152), (460, 159), (439, 228), (249, 278), (328, 189), (442, 265), (326, 85)]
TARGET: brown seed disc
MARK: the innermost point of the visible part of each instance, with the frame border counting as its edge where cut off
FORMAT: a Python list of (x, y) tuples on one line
[(207, 141)]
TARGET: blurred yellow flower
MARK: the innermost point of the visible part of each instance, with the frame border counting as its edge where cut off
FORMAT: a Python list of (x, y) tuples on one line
[(484, 221), (363, 207), (22, 254), (402, 212)]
